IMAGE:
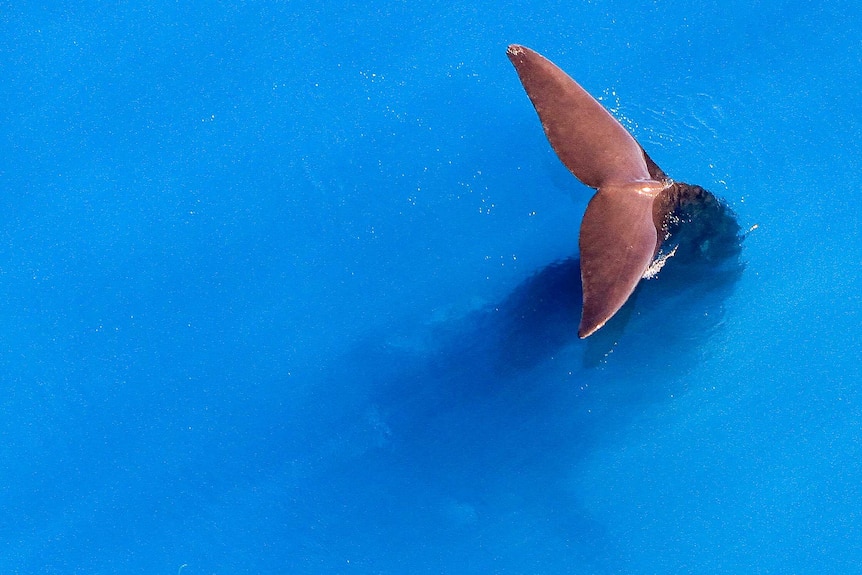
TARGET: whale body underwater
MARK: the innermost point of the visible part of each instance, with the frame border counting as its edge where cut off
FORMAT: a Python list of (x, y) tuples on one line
[(639, 217)]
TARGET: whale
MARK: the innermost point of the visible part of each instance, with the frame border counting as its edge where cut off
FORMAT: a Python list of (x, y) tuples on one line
[(636, 210)]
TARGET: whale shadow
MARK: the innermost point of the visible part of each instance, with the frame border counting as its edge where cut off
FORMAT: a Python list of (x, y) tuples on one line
[(459, 444)]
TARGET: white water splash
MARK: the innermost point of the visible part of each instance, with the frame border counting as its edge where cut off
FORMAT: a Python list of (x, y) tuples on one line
[(658, 263)]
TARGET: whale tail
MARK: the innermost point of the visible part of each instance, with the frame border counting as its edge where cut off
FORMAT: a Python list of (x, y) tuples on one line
[(622, 228)]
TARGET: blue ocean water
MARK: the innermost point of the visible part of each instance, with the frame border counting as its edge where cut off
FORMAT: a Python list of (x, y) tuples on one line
[(291, 287)]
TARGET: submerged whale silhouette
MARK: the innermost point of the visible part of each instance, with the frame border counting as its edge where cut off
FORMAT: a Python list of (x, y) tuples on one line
[(637, 208)]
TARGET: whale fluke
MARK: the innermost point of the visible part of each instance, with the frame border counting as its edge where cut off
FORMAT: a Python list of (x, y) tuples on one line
[(626, 221), (618, 242), (589, 141)]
